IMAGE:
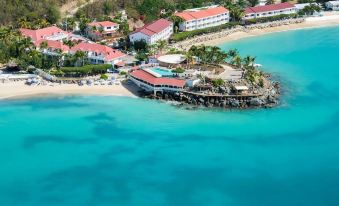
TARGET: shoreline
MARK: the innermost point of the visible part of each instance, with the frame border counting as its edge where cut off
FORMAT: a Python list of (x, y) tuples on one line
[(18, 90), (328, 20)]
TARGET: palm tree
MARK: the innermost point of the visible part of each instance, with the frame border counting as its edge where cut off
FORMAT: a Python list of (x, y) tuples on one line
[(253, 2), (22, 45), (241, 3), (237, 61), (80, 56), (232, 53), (35, 58), (23, 23), (176, 22), (189, 58), (44, 45), (214, 53), (249, 60), (42, 23), (236, 12), (161, 45), (269, 2)]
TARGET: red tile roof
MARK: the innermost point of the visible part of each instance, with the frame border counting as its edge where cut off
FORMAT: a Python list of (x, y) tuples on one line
[(154, 27), (147, 77), (103, 24), (267, 8), (53, 44), (108, 52), (39, 34), (200, 14)]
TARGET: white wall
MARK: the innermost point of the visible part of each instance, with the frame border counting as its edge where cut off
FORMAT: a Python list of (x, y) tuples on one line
[(271, 13), (163, 35), (204, 22)]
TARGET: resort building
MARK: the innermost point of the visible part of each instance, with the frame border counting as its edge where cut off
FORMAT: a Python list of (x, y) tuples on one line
[(101, 30), (49, 33), (99, 54), (269, 10), (200, 18), (332, 5), (152, 80), (53, 47), (158, 30)]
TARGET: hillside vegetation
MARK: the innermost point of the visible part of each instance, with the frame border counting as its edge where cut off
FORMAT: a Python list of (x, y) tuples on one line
[(148, 10), (13, 10)]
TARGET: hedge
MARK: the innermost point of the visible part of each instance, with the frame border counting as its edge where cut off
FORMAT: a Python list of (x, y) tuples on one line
[(86, 70), (189, 34), (270, 18)]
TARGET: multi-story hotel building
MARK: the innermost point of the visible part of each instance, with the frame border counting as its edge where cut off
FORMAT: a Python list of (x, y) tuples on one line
[(201, 18), (158, 30), (269, 10)]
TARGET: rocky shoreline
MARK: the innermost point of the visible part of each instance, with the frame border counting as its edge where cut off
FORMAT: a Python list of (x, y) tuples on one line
[(267, 97)]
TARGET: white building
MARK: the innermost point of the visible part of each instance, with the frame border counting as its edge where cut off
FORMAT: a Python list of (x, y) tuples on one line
[(152, 82), (158, 30), (201, 18), (332, 5), (269, 10), (99, 54), (100, 30)]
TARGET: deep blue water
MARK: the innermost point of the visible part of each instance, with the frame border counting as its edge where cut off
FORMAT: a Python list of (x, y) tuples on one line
[(131, 152)]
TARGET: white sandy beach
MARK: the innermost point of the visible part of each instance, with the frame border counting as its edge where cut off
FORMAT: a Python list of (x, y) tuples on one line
[(329, 19), (20, 90)]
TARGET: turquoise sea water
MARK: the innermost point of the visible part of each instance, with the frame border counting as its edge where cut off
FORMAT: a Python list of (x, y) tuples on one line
[(101, 151)]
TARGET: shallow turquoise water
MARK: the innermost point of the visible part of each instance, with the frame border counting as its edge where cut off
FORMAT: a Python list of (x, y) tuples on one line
[(122, 151)]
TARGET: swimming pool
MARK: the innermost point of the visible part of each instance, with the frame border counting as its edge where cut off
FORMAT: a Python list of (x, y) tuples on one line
[(162, 71)]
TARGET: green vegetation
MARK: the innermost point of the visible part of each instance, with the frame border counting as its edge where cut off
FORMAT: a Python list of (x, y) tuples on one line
[(178, 70), (218, 82), (104, 76), (123, 73), (212, 55), (20, 50), (146, 10), (270, 18), (29, 13), (189, 34), (208, 54), (309, 9), (86, 70)]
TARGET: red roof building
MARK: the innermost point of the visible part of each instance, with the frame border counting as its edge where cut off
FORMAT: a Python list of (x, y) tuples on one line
[(269, 10), (200, 18), (98, 53), (100, 30), (49, 33), (150, 82), (158, 30), (53, 46)]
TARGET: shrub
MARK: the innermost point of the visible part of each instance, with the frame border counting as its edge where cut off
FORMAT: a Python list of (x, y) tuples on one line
[(218, 82), (189, 34), (270, 18), (104, 77), (86, 70), (179, 70), (122, 73)]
